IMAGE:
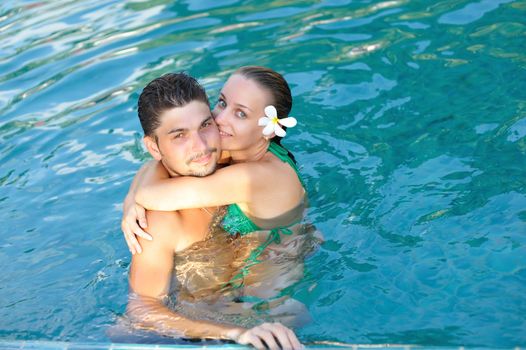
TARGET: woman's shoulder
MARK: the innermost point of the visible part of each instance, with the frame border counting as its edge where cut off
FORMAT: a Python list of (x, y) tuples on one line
[(270, 167), (285, 167)]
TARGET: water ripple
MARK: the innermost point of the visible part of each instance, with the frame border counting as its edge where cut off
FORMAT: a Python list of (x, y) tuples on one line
[(411, 139), (471, 12)]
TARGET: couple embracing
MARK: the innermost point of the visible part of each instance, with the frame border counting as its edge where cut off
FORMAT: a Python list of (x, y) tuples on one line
[(214, 222)]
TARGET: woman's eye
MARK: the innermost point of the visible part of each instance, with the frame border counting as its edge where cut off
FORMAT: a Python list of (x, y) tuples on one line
[(221, 103), (241, 114)]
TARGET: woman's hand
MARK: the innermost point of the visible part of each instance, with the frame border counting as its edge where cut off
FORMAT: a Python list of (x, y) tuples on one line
[(133, 214), (132, 224), (274, 335)]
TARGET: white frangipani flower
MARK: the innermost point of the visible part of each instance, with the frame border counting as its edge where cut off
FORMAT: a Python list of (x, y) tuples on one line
[(271, 122)]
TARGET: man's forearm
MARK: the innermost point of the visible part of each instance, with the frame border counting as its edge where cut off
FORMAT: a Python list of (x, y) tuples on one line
[(151, 313)]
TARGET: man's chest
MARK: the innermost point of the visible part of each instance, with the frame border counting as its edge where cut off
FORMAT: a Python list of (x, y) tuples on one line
[(193, 227)]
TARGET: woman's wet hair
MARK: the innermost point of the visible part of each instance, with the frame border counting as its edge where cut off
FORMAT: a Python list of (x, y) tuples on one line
[(166, 92), (278, 87)]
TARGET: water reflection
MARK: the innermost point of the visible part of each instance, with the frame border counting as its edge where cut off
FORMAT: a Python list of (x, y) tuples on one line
[(411, 137)]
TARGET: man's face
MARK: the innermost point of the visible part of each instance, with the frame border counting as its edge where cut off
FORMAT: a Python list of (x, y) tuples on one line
[(187, 142)]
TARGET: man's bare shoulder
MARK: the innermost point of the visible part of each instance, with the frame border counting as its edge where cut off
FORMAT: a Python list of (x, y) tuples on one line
[(150, 270), (163, 226), (178, 229)]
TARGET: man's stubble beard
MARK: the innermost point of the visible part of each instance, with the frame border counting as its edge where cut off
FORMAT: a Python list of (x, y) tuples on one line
[(204, 172), (191, 172)]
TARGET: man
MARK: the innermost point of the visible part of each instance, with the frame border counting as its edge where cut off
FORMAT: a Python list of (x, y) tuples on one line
[(181, 135)]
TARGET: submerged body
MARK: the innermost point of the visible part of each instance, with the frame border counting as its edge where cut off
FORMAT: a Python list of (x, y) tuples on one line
[(194, 263), (202, 287)]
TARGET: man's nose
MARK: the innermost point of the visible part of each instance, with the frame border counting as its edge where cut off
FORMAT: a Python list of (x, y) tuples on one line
[(199, 143)]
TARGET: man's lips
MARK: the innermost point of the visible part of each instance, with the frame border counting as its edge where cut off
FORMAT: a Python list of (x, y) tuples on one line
[(203, 159)]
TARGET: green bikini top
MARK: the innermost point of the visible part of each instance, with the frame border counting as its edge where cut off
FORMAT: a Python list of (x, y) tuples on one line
[(236, 222)]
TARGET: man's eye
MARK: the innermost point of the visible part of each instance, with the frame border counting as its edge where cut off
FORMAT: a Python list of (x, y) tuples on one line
[(206, 124), (178, 136)]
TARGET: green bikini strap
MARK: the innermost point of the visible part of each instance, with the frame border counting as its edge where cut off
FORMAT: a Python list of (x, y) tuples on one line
[(283, 155), (253, 259)]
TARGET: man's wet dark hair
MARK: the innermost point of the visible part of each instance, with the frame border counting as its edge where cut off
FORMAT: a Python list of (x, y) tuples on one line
[(168, 91)]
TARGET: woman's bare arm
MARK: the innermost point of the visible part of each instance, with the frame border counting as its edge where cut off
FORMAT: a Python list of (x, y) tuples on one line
[(236, 183), (134, 220)]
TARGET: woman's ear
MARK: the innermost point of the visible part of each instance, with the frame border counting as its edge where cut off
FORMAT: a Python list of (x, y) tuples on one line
[(152, 147), (269, 137)]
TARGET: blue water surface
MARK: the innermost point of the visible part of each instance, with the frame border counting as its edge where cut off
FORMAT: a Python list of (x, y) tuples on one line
[(411, 139)]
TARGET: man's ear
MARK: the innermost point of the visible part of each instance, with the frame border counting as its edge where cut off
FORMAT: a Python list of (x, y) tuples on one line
[(151, 146)]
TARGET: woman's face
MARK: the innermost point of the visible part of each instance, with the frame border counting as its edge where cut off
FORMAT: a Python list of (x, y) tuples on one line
[(240, 105)]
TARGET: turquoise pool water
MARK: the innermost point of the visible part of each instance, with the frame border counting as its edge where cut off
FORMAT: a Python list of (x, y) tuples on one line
[(411, 137)]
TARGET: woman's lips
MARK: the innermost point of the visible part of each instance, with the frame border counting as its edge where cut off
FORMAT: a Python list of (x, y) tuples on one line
[(223, 134)]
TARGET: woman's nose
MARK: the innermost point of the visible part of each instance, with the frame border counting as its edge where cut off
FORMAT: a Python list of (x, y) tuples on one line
[(219, 115)]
